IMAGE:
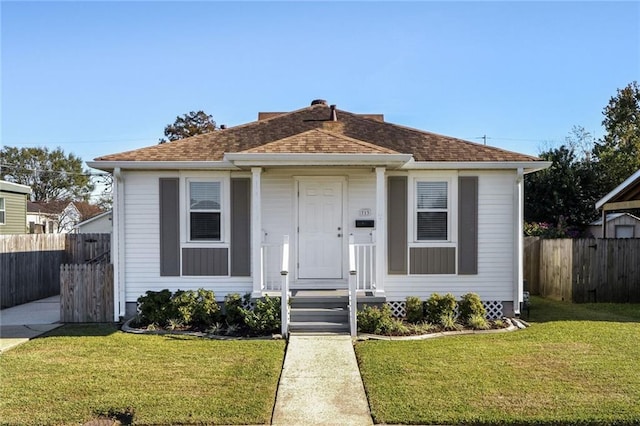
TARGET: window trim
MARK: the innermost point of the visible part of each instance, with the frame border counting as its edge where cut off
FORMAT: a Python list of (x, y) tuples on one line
[(3, 209), (185, 230), (413, 212)]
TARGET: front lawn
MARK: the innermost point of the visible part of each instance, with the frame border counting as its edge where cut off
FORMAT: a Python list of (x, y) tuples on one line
[(576, 364), (79, 372)]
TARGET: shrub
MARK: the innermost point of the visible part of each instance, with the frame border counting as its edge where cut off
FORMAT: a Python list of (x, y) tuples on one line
[(183, 308), (232, 308), (372, 319), (206, 310), (470, 305), (183, 305), (155, 307), (265, 317), (415, 312), (448, 321), (437, 306), (478, 322)]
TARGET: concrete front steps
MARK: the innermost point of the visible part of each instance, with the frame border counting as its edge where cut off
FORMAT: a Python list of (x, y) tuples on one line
[(319, 311)]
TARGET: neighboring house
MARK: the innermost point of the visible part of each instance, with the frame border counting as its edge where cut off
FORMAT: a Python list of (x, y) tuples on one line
[(58, 216), (100, 224), (619, 225), (625, 197), (13, 207), (429, 213)]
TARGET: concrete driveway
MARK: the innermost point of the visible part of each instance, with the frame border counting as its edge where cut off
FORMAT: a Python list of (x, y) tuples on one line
[(24, 322)]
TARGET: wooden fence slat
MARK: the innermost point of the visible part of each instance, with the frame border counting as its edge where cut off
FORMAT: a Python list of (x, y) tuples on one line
[(585, 270), (30, 263), (87, 293)]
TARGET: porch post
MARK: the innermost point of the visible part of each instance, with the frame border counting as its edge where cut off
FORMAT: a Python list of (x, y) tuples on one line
[(381, 229), (256, 231)]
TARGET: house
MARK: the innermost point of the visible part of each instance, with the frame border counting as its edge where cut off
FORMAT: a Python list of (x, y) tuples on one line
[(619, 225), (100, 224), (58, 216), (428, 213), (624, 197), (13, 207)]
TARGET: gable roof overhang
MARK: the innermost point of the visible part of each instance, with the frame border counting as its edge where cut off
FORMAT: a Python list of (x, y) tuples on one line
[(526, 166), (250, 159), (109, 166), (624, 196)]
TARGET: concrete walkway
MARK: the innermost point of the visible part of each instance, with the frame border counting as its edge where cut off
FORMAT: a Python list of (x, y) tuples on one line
[(321, 384), (23, 322)]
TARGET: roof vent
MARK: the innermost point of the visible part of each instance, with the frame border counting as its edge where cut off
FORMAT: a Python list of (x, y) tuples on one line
[(334, 116), (318, 102)]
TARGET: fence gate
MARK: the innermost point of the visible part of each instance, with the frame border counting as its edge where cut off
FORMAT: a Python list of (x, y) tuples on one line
[(86, 293)]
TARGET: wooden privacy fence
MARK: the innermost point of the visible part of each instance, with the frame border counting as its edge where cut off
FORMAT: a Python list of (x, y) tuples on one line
[(584, 270), (30, 263), (86, 293), (30, 267)]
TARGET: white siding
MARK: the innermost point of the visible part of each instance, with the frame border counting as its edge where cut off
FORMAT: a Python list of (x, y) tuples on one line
[(496, 252), (496, 249), (279, 206), (142, 250)]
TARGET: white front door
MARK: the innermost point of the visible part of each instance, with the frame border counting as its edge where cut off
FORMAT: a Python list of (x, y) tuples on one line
[(320, 230)]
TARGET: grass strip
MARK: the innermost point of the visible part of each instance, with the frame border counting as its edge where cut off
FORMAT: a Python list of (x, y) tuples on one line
[(80, 372), (576, 364)]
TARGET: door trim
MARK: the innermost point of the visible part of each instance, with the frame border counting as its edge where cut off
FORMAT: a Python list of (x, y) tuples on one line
[(345, 240)]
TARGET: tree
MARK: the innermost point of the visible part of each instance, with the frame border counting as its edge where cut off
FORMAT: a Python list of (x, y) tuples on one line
[(618, 152), (565, 193), (191, 124), (52, 175)]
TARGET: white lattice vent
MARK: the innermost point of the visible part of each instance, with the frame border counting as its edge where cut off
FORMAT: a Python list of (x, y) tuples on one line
[(494, 309), (398, 308), (248, 304)]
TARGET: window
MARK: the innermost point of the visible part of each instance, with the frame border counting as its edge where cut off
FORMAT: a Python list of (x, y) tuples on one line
[(432, 211), (2, 211), (204, 211), (624, 231)]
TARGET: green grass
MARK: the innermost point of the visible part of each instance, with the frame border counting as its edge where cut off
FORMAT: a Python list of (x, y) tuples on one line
[(576, 364), (79, 372)]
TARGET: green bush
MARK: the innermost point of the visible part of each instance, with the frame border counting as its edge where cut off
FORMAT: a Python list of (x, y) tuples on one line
[(478, 322), (437, 306), (372, 319), (448, 321), (265, 317), (470, 305), (196, 307), (183, 308), (155, 308), (233, 309), (206, 311), (183, 305), (415, 311)]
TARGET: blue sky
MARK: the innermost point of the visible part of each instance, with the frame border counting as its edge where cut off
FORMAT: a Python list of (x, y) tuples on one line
[(103, 77)]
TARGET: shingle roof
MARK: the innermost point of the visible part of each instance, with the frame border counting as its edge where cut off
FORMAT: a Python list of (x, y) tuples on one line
[(290, 127), (320, 141)]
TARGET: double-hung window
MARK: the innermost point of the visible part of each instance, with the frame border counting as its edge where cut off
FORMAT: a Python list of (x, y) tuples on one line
[(205, 211), (2, 212), (432, 211)]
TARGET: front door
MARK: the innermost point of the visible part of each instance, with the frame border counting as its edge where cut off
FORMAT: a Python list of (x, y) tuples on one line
[(320, 230)]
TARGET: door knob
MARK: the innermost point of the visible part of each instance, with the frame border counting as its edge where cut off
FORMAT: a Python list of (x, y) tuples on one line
[(339, 235)]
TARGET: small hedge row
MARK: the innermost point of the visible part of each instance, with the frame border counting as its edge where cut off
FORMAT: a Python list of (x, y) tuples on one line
[(437, 313), (199, 310)]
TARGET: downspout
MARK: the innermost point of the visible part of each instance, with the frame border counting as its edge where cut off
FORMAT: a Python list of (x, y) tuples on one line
[(518, 271), (117, 250)]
